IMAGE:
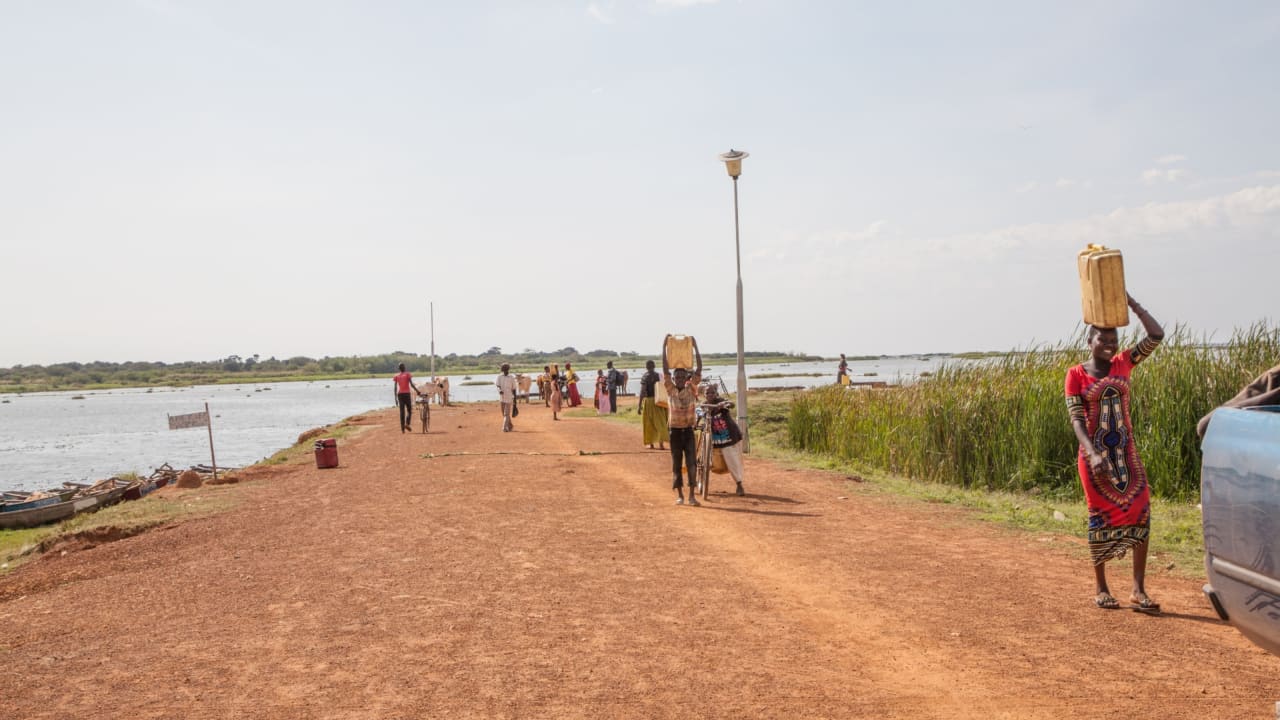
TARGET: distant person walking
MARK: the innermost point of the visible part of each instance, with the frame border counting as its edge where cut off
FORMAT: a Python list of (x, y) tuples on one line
[(403, 382), (571, 383), (682, 404), (603, 406), (613, 379), (506, 384), (1114, 480), (553, 384), (654, 415), (842, 371)]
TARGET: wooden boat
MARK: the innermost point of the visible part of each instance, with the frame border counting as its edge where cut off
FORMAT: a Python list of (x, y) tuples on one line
[(99, 495), (69, 500), (31, 517), (138, 488), (15, 501)]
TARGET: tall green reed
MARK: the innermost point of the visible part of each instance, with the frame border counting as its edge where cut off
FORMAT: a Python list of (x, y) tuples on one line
[(1002, 423)]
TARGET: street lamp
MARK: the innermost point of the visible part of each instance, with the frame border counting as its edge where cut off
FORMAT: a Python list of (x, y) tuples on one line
[(733, 163)]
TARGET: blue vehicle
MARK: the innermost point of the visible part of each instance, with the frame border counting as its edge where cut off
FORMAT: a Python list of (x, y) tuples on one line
[(1240, 497)]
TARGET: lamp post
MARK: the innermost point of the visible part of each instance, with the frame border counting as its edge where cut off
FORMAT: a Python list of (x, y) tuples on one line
[(733, 163)]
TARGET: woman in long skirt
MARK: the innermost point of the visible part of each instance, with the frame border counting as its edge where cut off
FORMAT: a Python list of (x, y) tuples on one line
[(554, 383), (1114, 480), (654, 415), (603, 406), (571, 381)]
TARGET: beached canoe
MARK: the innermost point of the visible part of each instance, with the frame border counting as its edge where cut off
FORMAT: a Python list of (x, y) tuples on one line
[(31, 517)]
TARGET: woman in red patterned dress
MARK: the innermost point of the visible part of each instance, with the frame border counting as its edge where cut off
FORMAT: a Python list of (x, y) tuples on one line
[(1115, 483)]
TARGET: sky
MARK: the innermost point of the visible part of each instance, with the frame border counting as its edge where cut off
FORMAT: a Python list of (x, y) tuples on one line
[(191, 180)]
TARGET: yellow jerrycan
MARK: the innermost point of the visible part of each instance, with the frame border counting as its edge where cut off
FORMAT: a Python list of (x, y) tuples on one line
[(1102, 293), (680, 352)]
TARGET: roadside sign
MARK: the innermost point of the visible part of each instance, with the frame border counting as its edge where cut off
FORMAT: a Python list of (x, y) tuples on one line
[(195, 420), (190, 420)]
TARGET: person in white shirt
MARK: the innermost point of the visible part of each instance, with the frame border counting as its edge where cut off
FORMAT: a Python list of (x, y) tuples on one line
[(506, 384)]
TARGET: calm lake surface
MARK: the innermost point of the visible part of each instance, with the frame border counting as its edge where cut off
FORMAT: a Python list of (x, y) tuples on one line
[(48, 438)]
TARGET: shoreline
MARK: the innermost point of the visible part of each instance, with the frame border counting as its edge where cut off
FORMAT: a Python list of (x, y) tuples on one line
[(235, 378)]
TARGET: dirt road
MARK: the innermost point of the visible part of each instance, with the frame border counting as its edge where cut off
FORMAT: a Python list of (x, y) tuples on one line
[(510, 576)]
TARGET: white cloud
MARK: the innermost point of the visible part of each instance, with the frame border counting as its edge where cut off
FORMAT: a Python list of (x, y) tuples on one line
[(595, 12), (1065, 183), (1155, 175), (1249, 208), (1027, 187), (826, 244), (1170, 159)]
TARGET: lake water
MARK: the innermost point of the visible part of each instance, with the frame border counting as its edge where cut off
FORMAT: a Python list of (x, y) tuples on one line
[(48, 438)]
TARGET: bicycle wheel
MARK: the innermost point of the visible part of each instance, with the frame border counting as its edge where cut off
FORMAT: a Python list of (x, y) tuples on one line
[(425, 414), (704, 462)]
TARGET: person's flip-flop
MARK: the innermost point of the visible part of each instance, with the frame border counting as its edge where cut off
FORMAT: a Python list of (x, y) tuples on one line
[(1145, 605), (1105, 601)]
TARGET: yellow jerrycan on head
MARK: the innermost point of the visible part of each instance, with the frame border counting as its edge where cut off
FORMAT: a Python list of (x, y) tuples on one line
[(1102, 293), (680, 352)]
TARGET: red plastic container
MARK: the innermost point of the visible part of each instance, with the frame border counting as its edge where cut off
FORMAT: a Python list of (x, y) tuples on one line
[(326, 453)]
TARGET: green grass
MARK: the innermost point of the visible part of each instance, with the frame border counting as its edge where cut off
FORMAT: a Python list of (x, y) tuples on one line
[(303, 450), (1177, 536), (17, 546), (626, 414), (771, 376), (1002, 425)]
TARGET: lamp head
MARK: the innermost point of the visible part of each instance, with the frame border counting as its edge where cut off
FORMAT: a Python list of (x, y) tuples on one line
[(733, 161)]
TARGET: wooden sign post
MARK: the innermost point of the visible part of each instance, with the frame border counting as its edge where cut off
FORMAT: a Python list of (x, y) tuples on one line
[(194, 420)]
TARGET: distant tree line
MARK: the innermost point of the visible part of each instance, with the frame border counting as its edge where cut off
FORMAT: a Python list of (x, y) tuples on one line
[(251, 368)]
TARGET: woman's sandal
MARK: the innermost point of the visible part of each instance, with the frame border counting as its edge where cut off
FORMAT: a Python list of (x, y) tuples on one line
[(1143, 605), (1105, 601)]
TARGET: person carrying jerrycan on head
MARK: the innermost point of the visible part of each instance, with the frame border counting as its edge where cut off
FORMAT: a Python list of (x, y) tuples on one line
[(682, 404)]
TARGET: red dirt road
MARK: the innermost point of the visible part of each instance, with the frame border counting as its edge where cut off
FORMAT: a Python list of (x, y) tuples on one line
[(522, 579)]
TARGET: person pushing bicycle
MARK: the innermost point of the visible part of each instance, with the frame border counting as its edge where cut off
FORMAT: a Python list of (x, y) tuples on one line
[(404, 400), (725, 433)]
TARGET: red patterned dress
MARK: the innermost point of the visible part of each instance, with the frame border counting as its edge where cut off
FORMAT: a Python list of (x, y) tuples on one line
[(1119, 505)]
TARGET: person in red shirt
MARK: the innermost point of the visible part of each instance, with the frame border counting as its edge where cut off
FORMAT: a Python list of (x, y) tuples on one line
[(403, 382)]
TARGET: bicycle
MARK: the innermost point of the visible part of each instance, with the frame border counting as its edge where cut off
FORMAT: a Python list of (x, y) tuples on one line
[(424, 411), (705, 450)]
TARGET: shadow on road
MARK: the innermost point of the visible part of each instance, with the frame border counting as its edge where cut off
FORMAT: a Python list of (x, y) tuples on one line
[(775, 513), (1192, 618), (756, 496)]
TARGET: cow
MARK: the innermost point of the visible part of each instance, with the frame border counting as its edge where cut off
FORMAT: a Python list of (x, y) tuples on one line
[(523, 383), (438, 388)]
